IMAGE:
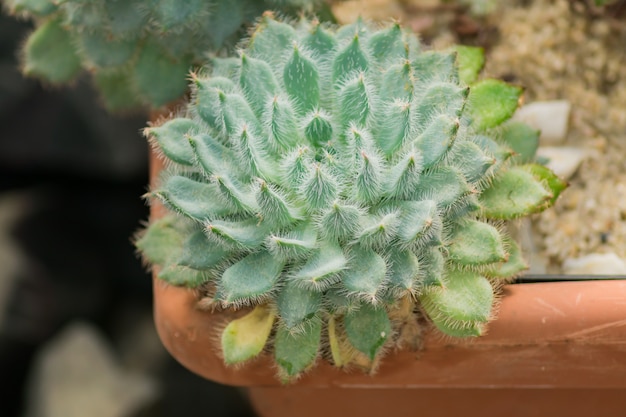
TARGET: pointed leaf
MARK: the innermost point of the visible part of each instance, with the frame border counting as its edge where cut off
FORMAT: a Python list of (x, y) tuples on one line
[(50, 55), (198, 252), (258, 83), (349, 60), (354, 102), (470, 60), (464, 302), (182, 276), (323, 268), (301, 79), (159, 78), (404, 270), (241, 234), (295, 352), (475, 243), (366, 273), (368, 329), (437, 139), (514, 193), (161, 241), (250, 279), (297, 305), (295, 244), (492, 102), (192, 198), (549, 179), (170, 137), (388, 45)]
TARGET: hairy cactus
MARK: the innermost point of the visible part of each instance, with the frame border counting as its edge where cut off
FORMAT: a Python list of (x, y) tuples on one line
[(139, 52), (341, 182)]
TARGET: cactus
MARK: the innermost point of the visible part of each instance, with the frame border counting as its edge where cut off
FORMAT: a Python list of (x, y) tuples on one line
[(329, 177), (138, 52)]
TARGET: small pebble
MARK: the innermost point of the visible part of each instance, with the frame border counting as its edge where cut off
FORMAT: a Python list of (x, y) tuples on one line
[(595, 264), (564, 161), (550, 117)]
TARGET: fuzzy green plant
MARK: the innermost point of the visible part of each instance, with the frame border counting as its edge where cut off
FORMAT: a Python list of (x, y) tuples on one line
[(341, 182), (138, 52)]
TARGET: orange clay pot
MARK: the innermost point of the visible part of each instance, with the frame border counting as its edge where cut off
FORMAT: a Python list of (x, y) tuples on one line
[(566, 336)]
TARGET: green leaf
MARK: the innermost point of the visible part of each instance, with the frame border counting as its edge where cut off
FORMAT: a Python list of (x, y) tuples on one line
[(470, 160), (258, 83), (437, 139), (522, 139), (349, 60), (368, 328), (211, 156), (198, 252), (283, 126), (301, 79), (340, 221), (171, 138), (319, 41), (192, 198), (395, 126), (420, 223), (404, 270), (158, 77), (475, 243), (161, 241), (397, 83), (446, 185), (492, 102), (549, 179), (245, 337), (297, 305), (271, 39), (250, 279), (323, 268), (240, 234), (470, 60), (433, 264), (464, 302), (319, 129), (513, 266), (101, 51), (439, 66), (295, 352), (514, 193), (439, 99), (49, 54), (353, 102), (388, 45), (365, 274), (182, 276)]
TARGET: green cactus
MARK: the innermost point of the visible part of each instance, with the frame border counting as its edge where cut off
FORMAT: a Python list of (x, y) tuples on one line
[(328, 176), (139, 52)]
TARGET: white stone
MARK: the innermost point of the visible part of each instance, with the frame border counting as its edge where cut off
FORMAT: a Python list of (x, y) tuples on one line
[(595, 264), (550, 117), (563, 160), (76, 375)]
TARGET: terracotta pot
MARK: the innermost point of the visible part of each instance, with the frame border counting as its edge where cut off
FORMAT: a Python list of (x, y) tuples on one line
[(565, 335)]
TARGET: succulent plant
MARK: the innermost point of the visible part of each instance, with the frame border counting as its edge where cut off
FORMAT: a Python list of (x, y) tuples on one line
[(138, 52), (341, 182)]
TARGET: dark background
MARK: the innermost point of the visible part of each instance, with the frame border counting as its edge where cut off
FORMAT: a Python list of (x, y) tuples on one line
[(82, 172)]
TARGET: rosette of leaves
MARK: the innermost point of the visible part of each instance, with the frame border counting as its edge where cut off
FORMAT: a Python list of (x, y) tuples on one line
[(341, 181), (139, 52)]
